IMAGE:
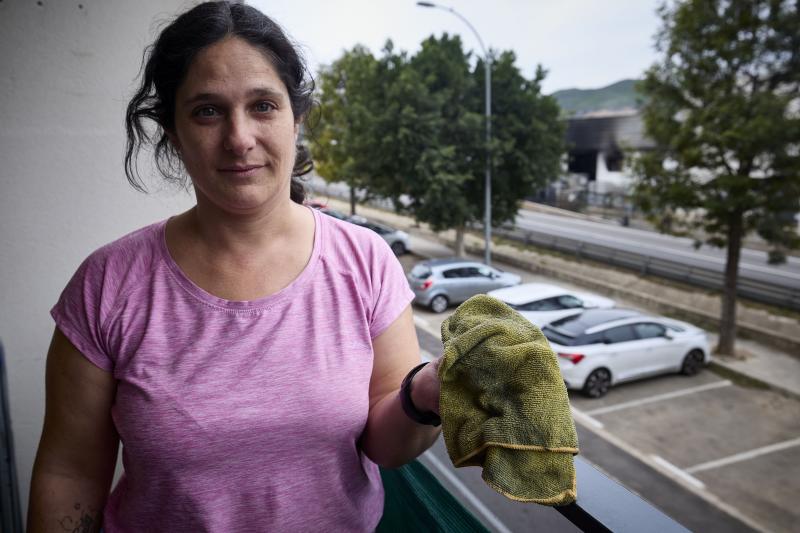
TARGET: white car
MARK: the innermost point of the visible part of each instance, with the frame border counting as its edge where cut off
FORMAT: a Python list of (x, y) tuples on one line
[(602, 347), (542, 303)]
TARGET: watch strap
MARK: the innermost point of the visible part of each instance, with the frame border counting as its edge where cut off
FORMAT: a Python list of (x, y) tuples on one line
[(428, 418)]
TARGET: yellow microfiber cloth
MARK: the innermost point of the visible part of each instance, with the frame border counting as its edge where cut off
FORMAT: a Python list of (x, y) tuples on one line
[(504, 405)]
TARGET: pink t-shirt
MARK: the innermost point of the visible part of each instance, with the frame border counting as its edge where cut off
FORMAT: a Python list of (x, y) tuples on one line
[(238, 415)]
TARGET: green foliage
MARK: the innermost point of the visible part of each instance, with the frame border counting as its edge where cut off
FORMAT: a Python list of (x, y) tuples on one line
[(348, 90), (415, 126), (723, 107)]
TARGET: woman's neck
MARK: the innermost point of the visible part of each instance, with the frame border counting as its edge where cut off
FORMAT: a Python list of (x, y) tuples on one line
[(222, 231)]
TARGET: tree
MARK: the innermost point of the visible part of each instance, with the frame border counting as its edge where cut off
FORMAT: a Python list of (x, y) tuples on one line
[(349, 88), (420, 138), (723, 107), (527, 137)]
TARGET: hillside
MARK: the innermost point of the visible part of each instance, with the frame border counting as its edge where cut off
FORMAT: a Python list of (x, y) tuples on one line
[(617, 96)]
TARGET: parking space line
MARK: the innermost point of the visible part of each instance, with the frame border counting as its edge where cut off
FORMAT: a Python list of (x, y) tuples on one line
[(585, 419), (744, 456), (669, 470), (479, 506), (663, 463), (658, 398)]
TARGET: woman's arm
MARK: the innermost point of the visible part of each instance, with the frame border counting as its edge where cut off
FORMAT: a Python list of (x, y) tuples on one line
[(78, 450), (391, 439)]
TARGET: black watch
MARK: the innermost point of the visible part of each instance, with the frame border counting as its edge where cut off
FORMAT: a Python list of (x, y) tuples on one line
[(428, 418)]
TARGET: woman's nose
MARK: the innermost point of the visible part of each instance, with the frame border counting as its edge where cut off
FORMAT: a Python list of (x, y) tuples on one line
[(239, 137)]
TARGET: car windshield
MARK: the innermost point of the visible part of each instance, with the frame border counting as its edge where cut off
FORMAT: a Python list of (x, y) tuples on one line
[(576, 324)]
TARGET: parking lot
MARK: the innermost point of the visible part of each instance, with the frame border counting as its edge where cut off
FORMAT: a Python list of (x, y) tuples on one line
[(735, 445)]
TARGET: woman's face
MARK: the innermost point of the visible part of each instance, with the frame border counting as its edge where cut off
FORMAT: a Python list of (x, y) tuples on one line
[(234, 128)]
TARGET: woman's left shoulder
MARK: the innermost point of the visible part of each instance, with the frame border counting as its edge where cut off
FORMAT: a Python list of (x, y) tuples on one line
[(353, 239)]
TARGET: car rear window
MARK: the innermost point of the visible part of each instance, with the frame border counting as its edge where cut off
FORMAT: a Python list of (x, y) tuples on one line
[(558, 336), (420, 272), (452, 273)]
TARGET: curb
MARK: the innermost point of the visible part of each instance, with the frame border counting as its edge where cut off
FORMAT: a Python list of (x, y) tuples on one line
[(735, 374)]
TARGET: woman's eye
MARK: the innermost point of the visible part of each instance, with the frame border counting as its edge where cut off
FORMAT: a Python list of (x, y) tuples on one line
[(205, 112), (264, 107)]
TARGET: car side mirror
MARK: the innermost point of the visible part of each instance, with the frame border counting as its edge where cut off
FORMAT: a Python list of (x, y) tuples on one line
[(668, 335)]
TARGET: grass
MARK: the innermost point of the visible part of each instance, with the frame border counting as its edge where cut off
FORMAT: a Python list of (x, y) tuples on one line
[(737, 378)]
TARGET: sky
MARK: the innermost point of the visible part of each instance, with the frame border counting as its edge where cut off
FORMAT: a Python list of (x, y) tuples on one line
[(582, 44)]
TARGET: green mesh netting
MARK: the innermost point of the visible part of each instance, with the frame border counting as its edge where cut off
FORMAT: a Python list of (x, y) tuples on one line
[(416, 501)]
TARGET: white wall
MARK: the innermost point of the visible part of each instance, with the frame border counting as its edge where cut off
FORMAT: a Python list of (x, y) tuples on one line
[(66, 70), (610, 181)]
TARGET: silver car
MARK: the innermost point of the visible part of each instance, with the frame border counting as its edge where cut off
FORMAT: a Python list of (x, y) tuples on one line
[(397, 239), (437, 283)]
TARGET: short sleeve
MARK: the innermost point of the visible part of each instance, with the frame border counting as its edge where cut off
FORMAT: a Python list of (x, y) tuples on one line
[(390, 291), (79, 311)]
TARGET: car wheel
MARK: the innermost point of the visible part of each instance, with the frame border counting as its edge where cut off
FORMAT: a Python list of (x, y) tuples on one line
[(598, 383), (692, 363), (398, 248), (439, 303)]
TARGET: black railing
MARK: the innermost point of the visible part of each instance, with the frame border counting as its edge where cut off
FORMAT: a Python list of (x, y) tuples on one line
[(10, 518), (605, 505)]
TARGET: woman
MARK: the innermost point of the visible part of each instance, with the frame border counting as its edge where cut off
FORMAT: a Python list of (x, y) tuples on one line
[(249, 352)]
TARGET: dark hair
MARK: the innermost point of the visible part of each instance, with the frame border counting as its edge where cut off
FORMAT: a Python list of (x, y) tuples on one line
[(166, 62)]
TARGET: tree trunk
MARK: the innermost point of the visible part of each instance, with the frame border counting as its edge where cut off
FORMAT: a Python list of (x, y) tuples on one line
[(352, 200), (460, 241), (727, 324)]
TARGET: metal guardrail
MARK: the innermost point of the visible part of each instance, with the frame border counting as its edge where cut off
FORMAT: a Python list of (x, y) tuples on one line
[(10, 517), (760, 291)]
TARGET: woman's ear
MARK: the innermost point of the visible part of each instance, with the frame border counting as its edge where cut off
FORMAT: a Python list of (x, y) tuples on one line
[(173, 140)]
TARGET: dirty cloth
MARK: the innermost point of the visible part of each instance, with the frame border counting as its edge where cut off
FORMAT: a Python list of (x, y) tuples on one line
[(504, 405)]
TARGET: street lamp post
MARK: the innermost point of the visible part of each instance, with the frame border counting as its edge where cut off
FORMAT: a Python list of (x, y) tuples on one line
[(487, 254)]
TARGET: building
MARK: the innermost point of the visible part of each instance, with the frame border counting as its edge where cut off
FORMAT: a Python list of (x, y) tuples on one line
[(597, 145)]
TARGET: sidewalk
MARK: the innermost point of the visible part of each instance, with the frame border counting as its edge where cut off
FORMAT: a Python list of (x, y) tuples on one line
[(756, 363)]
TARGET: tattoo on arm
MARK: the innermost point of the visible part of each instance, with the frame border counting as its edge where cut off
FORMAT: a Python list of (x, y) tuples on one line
[(88, 521)]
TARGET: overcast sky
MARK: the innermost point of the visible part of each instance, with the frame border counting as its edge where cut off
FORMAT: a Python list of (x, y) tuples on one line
[(582, 43)]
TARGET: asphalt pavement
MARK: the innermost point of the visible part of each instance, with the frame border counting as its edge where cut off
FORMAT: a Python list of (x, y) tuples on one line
[(753, 263)]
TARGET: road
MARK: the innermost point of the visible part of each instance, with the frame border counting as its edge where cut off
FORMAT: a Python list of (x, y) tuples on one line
[(712, 454), (753, 264)]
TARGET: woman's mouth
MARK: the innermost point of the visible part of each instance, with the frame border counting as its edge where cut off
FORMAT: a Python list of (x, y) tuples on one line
[(241, 171)]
